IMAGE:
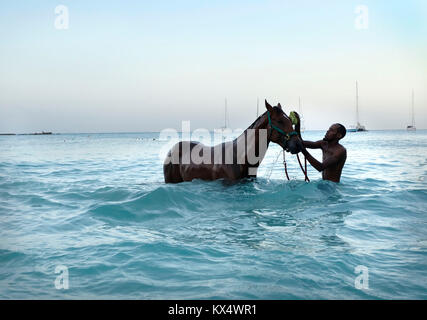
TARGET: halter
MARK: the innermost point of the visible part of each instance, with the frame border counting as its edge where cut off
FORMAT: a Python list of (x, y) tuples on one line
[(287, 136)]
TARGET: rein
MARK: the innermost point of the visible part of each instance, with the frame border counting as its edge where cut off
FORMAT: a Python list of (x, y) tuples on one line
[(302, 169), (287, 137)]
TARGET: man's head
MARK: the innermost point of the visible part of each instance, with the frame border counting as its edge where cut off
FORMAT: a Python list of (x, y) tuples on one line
[(336, 132)]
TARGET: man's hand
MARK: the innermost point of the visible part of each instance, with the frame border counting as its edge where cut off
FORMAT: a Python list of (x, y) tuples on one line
[(300, 144)]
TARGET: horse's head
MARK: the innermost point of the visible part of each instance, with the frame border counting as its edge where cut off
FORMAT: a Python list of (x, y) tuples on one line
[(280, 129)]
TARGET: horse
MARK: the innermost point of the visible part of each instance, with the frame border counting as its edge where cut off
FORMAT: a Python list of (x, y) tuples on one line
[(232, 160)]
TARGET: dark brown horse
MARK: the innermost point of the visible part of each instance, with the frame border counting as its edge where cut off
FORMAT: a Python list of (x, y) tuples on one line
[(232, 160)]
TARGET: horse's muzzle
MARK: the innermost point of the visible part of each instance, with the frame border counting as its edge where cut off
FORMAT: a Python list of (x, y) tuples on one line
[(293, 146)]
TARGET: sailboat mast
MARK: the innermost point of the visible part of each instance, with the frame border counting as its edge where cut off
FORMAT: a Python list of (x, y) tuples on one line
[(299, 105), (357, 103), (257, 107), (225, 114)]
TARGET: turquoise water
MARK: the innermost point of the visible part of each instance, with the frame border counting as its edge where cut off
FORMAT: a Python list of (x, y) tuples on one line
[(97, 205)]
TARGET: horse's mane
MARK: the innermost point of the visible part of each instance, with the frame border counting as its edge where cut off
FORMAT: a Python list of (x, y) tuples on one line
[(257, 119)]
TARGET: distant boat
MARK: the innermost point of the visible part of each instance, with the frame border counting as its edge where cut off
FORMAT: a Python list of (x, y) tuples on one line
[(412, 126), (225, 115), (41, 133), (301, 118), (257, 107), (358, 127), (224, 129)]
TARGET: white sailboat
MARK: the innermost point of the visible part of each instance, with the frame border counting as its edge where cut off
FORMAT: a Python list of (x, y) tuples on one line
[(257, 107), (225, 116), (412, 126), (224, 130), (358, 127), (301, 118)]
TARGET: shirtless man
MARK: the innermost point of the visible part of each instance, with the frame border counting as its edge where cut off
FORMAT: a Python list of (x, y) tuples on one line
[(334, 154)]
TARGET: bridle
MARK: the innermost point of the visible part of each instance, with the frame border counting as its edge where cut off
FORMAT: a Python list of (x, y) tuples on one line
[(284, 136)]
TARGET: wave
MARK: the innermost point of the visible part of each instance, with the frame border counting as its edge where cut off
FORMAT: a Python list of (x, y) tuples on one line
[(191, 198)]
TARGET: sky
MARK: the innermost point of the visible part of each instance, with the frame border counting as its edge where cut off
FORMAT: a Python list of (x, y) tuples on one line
[(134, 66)]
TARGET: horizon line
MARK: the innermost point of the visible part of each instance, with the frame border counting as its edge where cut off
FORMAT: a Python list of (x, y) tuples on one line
[(137, 132)]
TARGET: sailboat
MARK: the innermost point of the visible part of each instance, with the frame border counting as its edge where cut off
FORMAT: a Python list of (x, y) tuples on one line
[(224, 130), (412, 126), (358, 127), (302, 127)]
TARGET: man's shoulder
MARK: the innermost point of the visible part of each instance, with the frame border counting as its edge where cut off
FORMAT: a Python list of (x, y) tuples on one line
[(323, 144), (340, 146), (337, 149), (340, 149)]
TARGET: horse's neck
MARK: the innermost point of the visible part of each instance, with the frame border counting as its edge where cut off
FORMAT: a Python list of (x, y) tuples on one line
[(253, 144)]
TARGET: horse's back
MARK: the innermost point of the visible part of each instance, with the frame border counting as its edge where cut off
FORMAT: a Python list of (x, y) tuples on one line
[(208, 163), (174, 167)]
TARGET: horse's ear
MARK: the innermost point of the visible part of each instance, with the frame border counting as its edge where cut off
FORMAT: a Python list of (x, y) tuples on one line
[(268, 106), (280, 107)]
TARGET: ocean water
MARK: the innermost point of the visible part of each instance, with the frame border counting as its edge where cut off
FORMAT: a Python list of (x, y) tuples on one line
[(96, 204)]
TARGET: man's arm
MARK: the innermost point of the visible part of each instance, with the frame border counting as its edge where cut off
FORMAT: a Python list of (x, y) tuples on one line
[(313, 145), (320, 166)]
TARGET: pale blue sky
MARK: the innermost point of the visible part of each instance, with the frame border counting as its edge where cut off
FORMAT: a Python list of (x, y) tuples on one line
[(147, 65)]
